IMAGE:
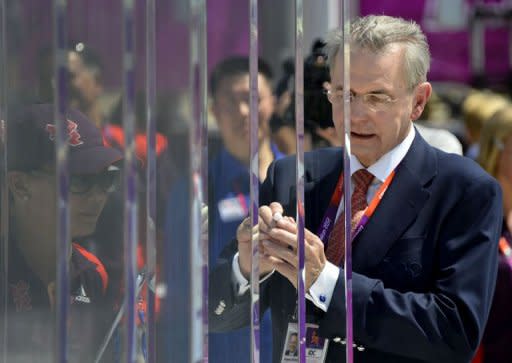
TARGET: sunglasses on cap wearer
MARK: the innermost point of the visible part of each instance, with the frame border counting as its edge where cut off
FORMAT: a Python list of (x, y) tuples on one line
[(107, 181)]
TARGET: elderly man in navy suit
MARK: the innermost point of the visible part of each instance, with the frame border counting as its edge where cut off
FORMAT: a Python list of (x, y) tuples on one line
[(425, 254)]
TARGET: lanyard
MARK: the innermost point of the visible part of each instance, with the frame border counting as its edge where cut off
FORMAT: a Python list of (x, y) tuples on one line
[(330, 215), (240, 196), (506, 250)]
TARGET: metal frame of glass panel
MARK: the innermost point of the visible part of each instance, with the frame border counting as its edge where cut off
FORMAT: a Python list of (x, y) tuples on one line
[(345, 27), (4, 205), (254, 178), (299, 172), (63, 245), (198, 245), (130, 181), (150, 177)]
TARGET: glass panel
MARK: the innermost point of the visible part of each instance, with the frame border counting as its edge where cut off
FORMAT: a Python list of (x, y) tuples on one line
[(139, 253), (95, 66), (177, 210), (4, 214), (231, 170), (29, 205)]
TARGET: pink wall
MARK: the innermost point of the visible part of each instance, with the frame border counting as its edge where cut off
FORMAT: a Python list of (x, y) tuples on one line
[(98, 22)]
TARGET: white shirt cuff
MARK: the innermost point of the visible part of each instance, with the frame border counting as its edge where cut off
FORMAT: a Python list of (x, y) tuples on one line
[(320, 293), (239, 281)]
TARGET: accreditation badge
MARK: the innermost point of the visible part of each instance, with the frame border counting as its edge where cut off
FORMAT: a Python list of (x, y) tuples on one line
[(232, 209), (316, 346)]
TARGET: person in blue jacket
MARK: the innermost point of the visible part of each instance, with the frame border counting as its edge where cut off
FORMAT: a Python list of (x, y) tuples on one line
[(228, 204), (228, 187)]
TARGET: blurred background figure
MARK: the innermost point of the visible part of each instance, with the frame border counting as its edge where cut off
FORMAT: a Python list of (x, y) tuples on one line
[(477, 109), (496, 158), (228, 187), (87, 93), (32, 241), (318, 126)]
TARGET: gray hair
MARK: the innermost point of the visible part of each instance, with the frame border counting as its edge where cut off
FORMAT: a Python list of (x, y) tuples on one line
[(376, 32)]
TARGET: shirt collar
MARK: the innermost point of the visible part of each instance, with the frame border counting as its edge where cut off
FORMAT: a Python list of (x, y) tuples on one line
[(389, 161)]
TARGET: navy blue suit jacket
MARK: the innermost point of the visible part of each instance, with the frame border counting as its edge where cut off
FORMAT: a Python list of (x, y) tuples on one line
[(424, 267)]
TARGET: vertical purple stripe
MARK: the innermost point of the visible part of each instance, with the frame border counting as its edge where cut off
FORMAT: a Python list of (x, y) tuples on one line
[(130, 180), (151, 176), (299, 122), (4, 205), (203, 167), (198, 349), (62, 173), (254, 178), (345, 26)]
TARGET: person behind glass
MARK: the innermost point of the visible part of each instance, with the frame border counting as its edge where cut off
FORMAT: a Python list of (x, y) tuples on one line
[(496, 158), (319, 129), (416, 294), (86, 84), (478, 107), (31, 180), (229, 177)]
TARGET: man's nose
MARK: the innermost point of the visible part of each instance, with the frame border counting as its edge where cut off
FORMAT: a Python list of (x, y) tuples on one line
[(358, 111)]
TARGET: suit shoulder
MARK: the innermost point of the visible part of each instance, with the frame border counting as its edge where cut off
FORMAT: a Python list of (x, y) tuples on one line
[(460, 165), (463, 170), (315, 161)]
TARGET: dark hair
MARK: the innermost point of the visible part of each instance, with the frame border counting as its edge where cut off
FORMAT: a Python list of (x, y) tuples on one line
[(236, 66), (89, 57), (286, 81), (317, 109)]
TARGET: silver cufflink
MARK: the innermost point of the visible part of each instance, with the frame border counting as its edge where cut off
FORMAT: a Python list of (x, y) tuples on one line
[(220, 308)]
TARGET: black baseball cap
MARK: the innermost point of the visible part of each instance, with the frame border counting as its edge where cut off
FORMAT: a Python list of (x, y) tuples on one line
[(31, 135)]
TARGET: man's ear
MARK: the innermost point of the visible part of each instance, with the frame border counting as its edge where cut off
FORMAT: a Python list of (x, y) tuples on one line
[(18, 184), (421, 97)]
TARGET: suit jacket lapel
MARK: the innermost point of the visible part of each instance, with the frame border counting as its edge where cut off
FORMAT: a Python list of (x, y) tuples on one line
[(399, 207), (319, 190)]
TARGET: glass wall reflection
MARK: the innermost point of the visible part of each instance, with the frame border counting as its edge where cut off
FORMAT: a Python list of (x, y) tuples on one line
[(174, 187)]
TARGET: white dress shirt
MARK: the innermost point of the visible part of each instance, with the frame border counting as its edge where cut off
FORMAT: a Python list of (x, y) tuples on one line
[(320, 293)]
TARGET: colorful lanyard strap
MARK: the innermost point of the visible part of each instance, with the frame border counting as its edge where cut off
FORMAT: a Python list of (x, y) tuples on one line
[(506, 250), (329, 218)]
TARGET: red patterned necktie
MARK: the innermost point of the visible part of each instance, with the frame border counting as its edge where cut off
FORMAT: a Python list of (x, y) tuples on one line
[(336, 247)]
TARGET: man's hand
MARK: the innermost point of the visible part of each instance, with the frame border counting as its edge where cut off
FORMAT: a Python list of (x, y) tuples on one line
[(280, 248), (244, 235)]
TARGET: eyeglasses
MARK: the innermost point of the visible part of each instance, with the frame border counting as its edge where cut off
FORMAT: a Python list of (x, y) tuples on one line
[(373, 101), (107, 181)]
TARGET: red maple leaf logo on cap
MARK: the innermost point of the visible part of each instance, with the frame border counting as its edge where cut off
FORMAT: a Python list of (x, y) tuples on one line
[(73, 134)]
